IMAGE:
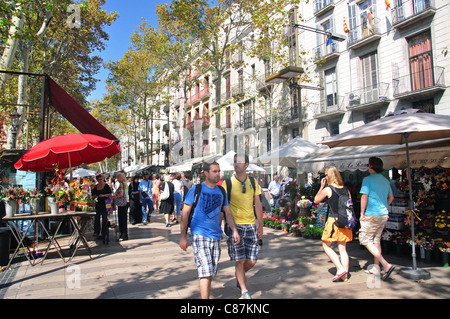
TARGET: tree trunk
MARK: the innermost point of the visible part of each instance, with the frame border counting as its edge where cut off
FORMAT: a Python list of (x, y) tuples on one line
[(10, 47)]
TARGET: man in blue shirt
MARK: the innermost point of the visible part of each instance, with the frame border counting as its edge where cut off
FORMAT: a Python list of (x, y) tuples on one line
[(376, 197), (205, 226), (145, 188)]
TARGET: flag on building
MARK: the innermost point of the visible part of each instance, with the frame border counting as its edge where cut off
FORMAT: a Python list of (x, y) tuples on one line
[(388, 4), (370, 20), (345, 26)]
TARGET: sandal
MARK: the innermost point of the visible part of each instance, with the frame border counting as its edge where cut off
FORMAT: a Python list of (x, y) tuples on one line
[(339, 276), (388, 273)]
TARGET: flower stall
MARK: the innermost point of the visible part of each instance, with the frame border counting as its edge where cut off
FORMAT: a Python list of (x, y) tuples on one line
[(431, 216)]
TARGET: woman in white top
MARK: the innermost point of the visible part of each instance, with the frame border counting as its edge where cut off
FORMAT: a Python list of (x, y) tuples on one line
[(178, 191)]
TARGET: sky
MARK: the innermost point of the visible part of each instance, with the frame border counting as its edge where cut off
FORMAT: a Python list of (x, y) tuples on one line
[(130, 13)]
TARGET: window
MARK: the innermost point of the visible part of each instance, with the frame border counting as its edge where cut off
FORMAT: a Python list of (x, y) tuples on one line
[(329, 44), (247, 114), (333, 128), (227, 87), (241, 81), (370, 77), (372, 116), (228, 117), (421, 61), (424, 105), (366, 11), (292, 39), (331, 87), (294, 102)]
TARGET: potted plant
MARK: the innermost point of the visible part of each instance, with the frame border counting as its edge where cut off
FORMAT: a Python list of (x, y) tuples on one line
[(10, 197), (34, 197), (297, 230)]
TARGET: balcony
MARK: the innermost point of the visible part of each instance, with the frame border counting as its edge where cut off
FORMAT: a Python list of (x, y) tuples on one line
[(364, 34), (327, 51), (238, 59), (411, 11), (237, 91), (419, 85), (198, 96), (330, 108), (323, 6), (261, 83), (368, 98)]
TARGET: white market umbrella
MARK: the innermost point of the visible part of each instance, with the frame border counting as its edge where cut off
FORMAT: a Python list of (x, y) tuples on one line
[(82, 172), (400, 128), (287, 153)]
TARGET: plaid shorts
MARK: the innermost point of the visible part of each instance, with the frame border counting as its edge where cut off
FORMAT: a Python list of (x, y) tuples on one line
[(206, 255), (248, 248), (371, 229)]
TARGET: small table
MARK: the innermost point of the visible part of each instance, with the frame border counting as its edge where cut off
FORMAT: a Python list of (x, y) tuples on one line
[(77, 238)]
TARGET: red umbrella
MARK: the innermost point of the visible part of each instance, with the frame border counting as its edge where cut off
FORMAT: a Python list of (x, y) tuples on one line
[(66, 151)]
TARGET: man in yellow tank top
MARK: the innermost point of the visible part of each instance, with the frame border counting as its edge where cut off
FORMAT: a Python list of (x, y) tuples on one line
[(242, 198)]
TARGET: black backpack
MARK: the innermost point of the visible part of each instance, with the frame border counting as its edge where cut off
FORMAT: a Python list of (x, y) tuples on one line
[(198, 190), (345, 214), (252, 181)]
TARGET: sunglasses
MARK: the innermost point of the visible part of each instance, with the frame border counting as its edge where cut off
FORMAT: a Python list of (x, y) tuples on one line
[(243, 188)]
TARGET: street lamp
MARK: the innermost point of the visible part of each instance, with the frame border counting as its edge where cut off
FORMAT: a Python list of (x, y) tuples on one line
[(15, 117), (330, 35)]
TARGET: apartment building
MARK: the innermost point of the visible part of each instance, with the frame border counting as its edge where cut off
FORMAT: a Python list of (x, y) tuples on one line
[(394, 56)]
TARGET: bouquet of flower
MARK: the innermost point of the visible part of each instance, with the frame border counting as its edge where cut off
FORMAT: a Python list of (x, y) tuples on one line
[(14, 193), (442, 221), (445, 247), (34, 194)]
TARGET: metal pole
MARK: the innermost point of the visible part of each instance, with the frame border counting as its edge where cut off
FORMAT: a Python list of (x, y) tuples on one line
[(410, 203), (413, 272)]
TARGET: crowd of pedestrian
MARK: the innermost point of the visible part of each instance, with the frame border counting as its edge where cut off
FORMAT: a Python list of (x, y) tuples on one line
[(236, 202)]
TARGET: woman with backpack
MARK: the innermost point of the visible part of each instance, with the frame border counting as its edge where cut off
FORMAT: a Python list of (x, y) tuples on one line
[(332, 233)]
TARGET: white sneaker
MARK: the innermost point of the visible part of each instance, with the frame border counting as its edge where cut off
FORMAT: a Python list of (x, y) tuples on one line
[(245, 295)]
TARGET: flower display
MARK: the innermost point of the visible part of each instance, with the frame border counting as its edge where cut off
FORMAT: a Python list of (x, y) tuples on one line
[(442, 221)]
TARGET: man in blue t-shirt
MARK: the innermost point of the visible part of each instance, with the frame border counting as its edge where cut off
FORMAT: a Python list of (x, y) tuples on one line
[(145, 188), (205, 226), (376, 197)]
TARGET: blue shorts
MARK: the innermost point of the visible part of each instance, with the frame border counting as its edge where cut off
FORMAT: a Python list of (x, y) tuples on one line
[(206, 255), (248, 247)]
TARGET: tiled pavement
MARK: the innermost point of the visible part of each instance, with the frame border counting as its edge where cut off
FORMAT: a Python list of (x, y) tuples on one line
[(150, 265)]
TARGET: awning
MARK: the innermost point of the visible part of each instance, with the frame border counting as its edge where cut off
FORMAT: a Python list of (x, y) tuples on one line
[(129, 170), (427, 154), (74, 112), (187, 165)]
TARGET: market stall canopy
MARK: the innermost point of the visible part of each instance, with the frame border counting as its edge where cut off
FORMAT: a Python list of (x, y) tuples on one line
[(135, 168), (412, 124), (187, 165), (288, 153), (75, 113), (426, 153), (82, 172), (226, 163), (67, 151)]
